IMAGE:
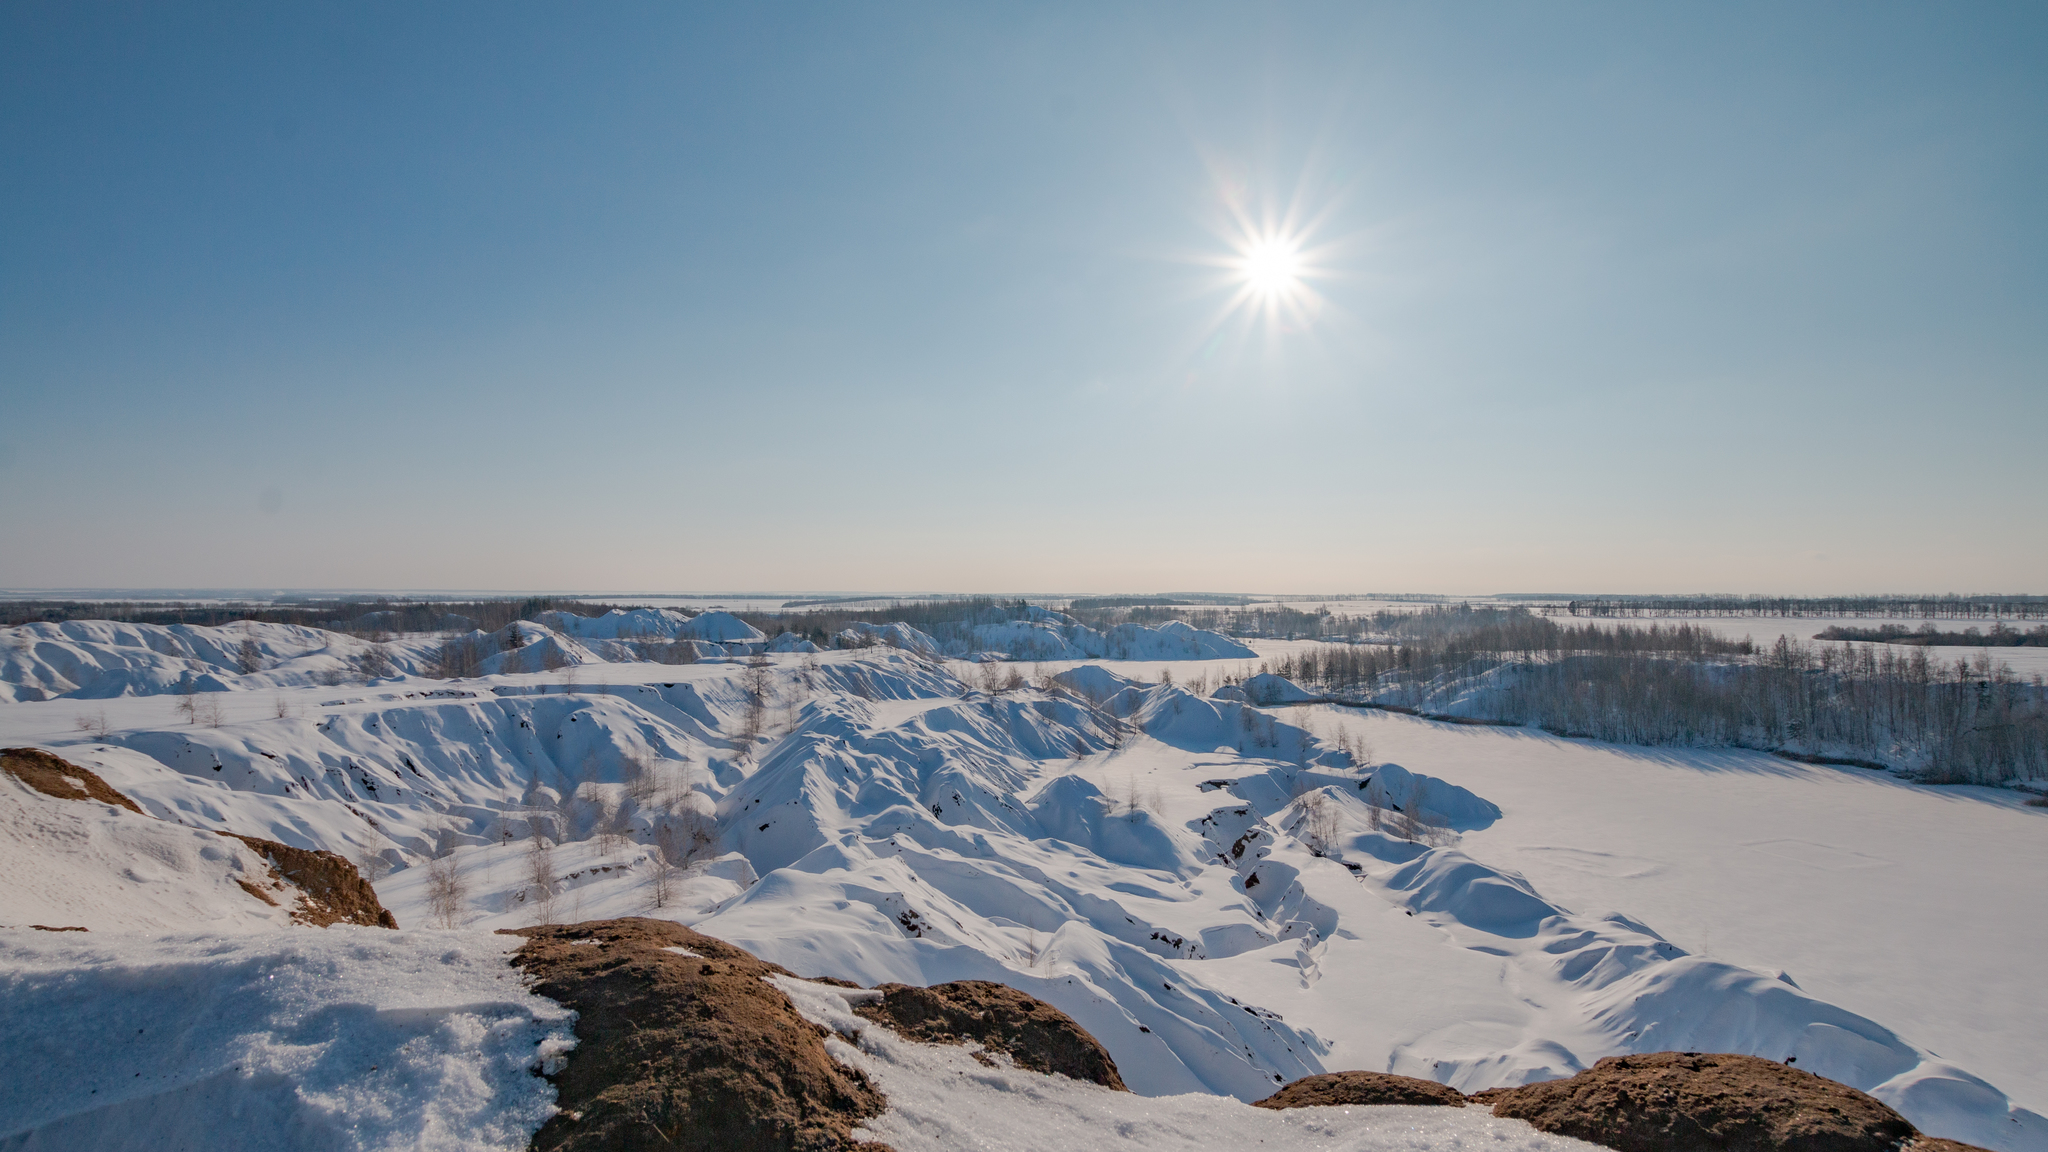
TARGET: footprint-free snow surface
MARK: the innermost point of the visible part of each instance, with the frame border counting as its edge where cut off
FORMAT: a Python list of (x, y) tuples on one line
[(1202, 883), (313, 1040)]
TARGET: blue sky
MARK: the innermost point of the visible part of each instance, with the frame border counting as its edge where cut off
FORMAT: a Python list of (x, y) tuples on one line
[(1607, 297)]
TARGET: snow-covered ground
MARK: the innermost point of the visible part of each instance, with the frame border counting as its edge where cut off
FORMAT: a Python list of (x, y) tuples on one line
[(1898, 901), (84, 864), (310, 1039), (941, 1099), (1196, 881)]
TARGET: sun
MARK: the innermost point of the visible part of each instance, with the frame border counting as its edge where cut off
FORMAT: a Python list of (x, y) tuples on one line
[(1272, 267), (1269, 264)]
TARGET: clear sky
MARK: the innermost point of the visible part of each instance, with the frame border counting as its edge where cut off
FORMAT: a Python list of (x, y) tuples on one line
[(1456, 297)]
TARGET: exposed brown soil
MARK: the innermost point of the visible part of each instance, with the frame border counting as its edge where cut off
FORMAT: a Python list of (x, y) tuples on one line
[(66, 928), (331, 891), (1698, 1102), (692, 1052), (54, 776), (1331, 1088), (1035, 1034)]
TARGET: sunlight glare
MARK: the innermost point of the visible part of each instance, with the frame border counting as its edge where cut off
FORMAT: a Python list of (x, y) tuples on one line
[(1272, 267)]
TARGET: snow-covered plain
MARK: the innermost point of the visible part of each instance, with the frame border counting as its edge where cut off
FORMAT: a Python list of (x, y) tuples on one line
[(1196, 880)]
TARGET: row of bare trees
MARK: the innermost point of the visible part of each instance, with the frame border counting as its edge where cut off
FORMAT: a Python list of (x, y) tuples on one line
[(1968, 720)]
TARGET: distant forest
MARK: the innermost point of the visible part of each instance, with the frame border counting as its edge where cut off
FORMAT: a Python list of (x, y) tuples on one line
[(1920, 607), (1962, 721), (1999, 637), (370, 617)]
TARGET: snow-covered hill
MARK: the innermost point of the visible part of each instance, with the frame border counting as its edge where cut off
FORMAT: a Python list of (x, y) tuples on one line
[(1038, 634), (97, 659), (1227, 895)]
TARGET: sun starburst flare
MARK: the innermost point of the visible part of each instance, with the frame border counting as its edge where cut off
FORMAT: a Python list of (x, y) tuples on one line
[(1270, 273)]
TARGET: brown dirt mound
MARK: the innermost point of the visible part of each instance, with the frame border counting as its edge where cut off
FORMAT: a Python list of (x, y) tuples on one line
[(1332, 1088), (695, 1052), (54, 776), (1696, 1102), (331, 890), (1035, 1034)]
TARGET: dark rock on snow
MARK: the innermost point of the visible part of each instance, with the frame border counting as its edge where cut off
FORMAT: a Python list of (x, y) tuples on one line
[(1035, 1034), (679, 1051), (1697, 1102), (1333, 1088)]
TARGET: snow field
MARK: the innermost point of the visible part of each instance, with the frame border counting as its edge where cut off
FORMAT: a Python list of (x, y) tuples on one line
[(1159, 866), (311, 1039), (941, 1099), (1897, 901)]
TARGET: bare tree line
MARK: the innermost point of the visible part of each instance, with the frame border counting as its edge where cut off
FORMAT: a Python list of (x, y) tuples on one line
[(1953, 607), (1963, 721)]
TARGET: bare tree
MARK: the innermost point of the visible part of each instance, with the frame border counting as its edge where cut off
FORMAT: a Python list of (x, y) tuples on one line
[(662, 890), (758, 682), (249, 658), (613, 827), (447, 891), (552, 657), (638, 772), (374, 662), (540, 871), (458, 657), (95, 723), (1407, 823), (1318, 821)]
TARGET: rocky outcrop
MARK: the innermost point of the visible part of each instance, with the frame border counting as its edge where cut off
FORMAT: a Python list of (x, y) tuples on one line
[(681, 1043), (1347, 1088), (1700, 1102), (1035, 1034), (54, 776), (331, 890)]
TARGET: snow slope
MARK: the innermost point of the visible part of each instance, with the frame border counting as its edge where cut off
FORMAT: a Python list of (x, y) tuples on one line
[(1196, 880), (941, 1098), (312, 1039), (81, 863)]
